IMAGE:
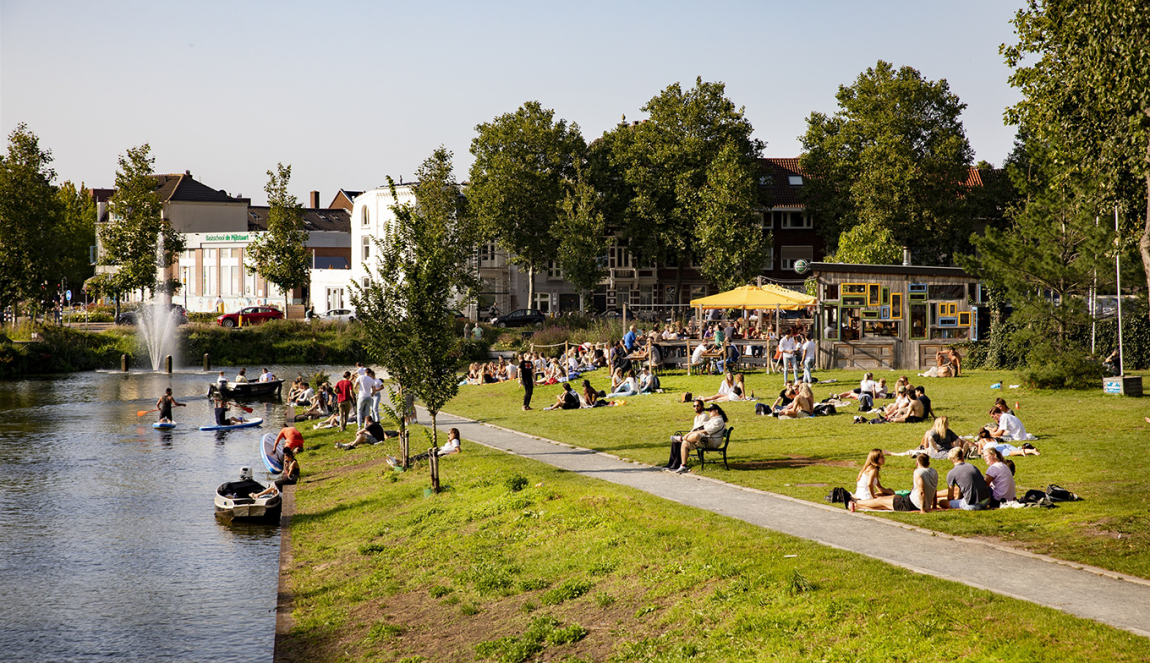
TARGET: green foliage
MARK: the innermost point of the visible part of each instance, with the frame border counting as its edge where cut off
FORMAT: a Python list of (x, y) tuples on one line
[(421, 265), (524, 162), (798, 583), (277, 341), (280, 254), (868, 243), (136, 227), (30, 220), (77, 234), (1081, 68), (682, 183), (581, 234), (894, 155), (384, 631), (439, 591), (571, 588), (1070, 369), (516, 483)]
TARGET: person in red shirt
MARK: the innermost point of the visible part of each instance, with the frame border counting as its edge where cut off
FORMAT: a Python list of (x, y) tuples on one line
[(344, 390), (292, 439)]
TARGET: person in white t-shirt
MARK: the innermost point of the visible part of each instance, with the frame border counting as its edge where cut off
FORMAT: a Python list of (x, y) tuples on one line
[(697, 354), (808, 354), (789, 346), (265, 376), (867, 386), (365, 387), (1009, 428)]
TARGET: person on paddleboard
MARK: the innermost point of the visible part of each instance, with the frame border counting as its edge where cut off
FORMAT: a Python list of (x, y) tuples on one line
[(164, 405), (222, 418)]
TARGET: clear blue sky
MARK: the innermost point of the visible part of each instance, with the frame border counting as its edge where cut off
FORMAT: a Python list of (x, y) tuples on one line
[(348, 93)]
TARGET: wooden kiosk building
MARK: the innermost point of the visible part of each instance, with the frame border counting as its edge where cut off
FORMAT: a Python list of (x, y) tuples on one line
[(892, 316)]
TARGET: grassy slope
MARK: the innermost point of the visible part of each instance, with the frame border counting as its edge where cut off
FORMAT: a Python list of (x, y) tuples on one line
[(382, 573), (1092, 443)]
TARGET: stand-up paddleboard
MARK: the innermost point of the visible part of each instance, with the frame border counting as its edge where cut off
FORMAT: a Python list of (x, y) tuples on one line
[(273, 461), (246, 424), (160, 426)]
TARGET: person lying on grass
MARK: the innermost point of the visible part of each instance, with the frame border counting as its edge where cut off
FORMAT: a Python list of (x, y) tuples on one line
[(726, 388), (449, 447), (372, 433), (923, 495), (710, 437), (867, 386), (985, 441), (937, 441)]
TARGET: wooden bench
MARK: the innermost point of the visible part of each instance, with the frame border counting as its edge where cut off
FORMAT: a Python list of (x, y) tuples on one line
[(723, 449)]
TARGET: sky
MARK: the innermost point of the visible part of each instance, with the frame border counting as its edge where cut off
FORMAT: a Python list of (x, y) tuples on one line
[(349, 93)]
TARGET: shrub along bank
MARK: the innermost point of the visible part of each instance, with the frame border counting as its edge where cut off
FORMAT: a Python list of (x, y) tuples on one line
[(519, 561)]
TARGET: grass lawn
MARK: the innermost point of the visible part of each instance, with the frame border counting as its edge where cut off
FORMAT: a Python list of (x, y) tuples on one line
[(1094, 444), (519, 561)]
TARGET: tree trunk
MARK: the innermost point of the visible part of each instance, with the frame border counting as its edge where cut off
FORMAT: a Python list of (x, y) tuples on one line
[(1144, 242), (117, 314), (433, 460), (679, 289), (530, 286)]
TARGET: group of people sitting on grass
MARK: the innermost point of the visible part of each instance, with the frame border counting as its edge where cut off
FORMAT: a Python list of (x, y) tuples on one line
[(586, 398)]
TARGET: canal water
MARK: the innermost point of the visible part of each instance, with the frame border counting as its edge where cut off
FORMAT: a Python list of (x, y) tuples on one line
[(109, 546)]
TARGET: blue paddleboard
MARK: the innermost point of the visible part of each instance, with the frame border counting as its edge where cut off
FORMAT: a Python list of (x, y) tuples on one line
[(159, 426), (273, 461), (247, 424)]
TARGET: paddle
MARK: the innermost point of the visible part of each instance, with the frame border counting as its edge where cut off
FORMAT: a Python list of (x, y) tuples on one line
[(245, 409), (140, 413)]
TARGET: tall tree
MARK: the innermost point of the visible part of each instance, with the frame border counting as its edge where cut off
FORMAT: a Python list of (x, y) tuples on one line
[(894, 154), (1081, 67), (581, 235), (868, 243), (280, 255), (78, 232), (30, 218), (523, 164), (421, 268), (692, 162), (137, 238)]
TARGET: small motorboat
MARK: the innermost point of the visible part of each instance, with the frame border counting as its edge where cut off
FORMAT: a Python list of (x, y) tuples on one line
[(234, 500), (242, 390)]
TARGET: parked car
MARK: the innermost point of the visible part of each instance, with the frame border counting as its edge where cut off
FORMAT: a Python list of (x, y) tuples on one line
[(520, 318), (253, 315), (337, 315), (133, 317)]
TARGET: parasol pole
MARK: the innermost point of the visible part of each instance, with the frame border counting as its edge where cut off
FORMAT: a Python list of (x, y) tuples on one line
[(1118, 273)]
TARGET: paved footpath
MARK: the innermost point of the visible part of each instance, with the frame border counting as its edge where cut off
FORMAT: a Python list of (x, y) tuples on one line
[(1106, 596)]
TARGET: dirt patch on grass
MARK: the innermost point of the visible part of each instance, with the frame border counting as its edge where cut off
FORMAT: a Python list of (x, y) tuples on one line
[(791, 462)]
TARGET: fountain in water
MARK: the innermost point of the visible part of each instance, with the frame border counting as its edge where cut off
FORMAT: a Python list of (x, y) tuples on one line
[(158, 321)]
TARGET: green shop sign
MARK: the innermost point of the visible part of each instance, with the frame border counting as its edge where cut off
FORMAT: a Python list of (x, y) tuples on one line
[(229, 238)]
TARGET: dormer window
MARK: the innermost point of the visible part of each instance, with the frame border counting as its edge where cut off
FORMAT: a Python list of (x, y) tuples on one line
[(795, 180)]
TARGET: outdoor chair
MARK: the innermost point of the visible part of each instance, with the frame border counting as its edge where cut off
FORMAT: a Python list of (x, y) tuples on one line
[(723, 449)]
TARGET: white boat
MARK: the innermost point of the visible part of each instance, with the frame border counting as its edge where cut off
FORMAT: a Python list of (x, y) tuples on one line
[(234, 500)]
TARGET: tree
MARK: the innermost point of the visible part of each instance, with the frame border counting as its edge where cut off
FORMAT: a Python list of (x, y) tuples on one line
[(30, 217), (78, 232), (682, 183), (280, 255), (421, 265), (523, 164), (137, 239), (894, 154), (868, 243), (1085, 88), (581, 235)]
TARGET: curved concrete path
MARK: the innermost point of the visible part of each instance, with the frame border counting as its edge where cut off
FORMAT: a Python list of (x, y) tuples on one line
[(1111, 598)]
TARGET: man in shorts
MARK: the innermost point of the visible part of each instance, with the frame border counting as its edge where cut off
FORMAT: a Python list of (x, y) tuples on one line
[(966, 489), (343, 395)]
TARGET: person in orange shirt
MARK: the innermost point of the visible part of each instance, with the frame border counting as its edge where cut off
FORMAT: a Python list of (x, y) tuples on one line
[(291, 438)]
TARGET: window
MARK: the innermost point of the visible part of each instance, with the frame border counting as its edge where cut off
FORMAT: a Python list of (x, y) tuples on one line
[(645, 295), (795, 180), (543, 301), (698, 291), (366, 247), (896, 305), (230, 272), (209, 272), (949, 291), (880, 328), (768, 221), (554, 271), (769, 257), (789, 254), (366, 282), (334, 298), (830, 291), (918, 321), (487, 255), (950, 333), (623, 294), (792, 220), (831, 323), (365, 216)]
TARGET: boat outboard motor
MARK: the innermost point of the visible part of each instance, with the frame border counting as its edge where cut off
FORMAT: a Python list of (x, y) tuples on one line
[(245, 473)]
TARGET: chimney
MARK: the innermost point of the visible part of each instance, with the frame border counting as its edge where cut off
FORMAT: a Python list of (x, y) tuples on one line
[(906, 256), (314, 198), (188, 173)]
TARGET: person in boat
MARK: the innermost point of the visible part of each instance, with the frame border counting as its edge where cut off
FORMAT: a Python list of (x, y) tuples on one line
[(164, 405), (222, 418), (289, 476), (265, 376), (222, 381), (242, 377)]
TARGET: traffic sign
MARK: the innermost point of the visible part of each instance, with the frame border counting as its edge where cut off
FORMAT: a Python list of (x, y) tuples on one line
[(69, 295)]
